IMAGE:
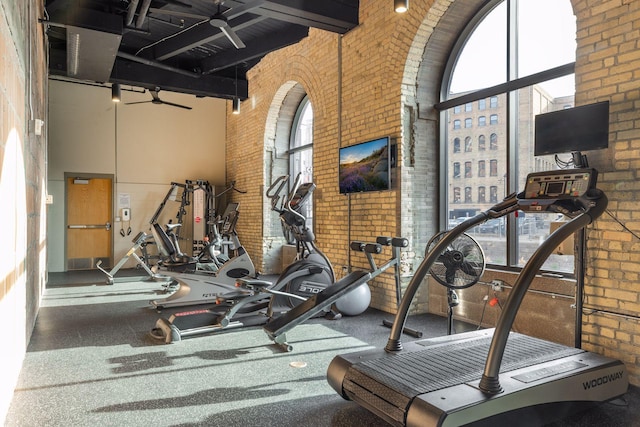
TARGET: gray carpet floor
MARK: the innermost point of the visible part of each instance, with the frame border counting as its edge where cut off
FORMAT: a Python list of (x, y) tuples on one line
[(92, 362)]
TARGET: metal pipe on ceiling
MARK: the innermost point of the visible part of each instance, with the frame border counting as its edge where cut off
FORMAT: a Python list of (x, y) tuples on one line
[(144, 8), (131, 12), (157, 64)]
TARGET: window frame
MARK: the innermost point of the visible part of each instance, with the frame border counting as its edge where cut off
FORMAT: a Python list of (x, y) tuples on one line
[(510, 89), (293, 150)]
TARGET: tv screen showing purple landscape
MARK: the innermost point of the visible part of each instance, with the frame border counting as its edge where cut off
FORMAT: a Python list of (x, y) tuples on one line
[(365, 167)]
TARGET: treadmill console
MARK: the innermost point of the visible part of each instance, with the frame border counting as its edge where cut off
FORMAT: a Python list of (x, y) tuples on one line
[(559, 184), (557, 190)]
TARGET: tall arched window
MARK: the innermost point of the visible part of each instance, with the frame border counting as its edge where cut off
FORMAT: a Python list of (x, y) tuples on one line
[(301, 150), (520, 56)]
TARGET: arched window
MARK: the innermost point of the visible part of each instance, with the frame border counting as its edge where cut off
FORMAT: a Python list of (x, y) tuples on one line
[(527, 71), (468, 147), (493, 142), (301, 150)]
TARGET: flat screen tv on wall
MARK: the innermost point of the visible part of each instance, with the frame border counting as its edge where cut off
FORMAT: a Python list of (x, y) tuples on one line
[(365, 166), (575, 129)]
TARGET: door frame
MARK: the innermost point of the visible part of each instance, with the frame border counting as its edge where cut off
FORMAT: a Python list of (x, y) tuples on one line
[(68, 175)]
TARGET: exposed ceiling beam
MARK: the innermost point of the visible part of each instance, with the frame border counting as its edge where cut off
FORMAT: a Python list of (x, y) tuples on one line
[(95, 40), (199, 35), (87, 18), (330, 15), (157, 64), (230, 14), (148, 76), (136, 74), (255, 49)]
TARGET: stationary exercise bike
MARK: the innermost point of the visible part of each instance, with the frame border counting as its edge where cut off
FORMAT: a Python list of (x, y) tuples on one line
[(255, 302)]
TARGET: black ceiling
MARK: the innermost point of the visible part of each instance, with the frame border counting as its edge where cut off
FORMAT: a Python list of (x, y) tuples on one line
[(199, 47)]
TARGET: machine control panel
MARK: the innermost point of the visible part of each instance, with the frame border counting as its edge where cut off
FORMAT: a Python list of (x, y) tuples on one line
[(559, 184)]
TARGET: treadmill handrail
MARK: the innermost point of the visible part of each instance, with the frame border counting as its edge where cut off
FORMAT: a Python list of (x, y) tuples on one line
[(590, 204), (508, 205), (490, 382)]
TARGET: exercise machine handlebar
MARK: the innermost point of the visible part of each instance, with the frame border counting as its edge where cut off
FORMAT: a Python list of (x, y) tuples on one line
[(570, 192), (292, 199), (274, 193)]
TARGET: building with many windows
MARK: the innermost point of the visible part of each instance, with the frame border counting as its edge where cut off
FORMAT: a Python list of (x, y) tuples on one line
[(477, 148)]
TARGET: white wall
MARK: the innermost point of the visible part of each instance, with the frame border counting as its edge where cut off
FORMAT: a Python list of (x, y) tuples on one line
[(144, 147)]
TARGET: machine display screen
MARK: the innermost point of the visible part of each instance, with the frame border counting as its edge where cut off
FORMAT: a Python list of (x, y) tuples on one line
[(555, 188), (559, 184)]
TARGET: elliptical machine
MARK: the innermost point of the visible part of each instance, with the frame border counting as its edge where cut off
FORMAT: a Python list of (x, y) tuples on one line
[(255, 302), (311, 271)]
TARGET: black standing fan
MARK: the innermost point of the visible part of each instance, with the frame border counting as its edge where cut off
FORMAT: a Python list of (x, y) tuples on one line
[(460, 265)]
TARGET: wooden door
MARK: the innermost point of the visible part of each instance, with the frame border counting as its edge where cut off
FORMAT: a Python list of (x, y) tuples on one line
[(89, 235)]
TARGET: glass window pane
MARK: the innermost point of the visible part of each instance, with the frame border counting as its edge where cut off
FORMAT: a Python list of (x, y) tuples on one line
[(303, 133), (532, 228), (301, 156), (544, 39), (482, 61), (546, 35), (482, 171)]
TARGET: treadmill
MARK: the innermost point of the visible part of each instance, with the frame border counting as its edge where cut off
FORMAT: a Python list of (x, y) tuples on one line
[(492, 376)]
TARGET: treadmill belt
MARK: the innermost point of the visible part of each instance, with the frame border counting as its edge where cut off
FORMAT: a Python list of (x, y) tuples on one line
[(408, 374)]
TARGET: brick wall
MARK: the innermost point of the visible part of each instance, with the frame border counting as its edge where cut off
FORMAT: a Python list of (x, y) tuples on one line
[(382, 78), (353, 82), (608, 68)]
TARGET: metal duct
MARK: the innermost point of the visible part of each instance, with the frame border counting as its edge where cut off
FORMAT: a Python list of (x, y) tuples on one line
[(91, 54)]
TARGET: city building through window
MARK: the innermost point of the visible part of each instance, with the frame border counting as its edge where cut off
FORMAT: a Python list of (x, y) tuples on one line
[(509, 80)]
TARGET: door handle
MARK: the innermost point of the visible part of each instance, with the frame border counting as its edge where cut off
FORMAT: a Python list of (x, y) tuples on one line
[(106, 226)]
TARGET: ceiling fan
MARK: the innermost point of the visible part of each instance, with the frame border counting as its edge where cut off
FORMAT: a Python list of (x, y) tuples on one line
[(156, 100), (220, 19)]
